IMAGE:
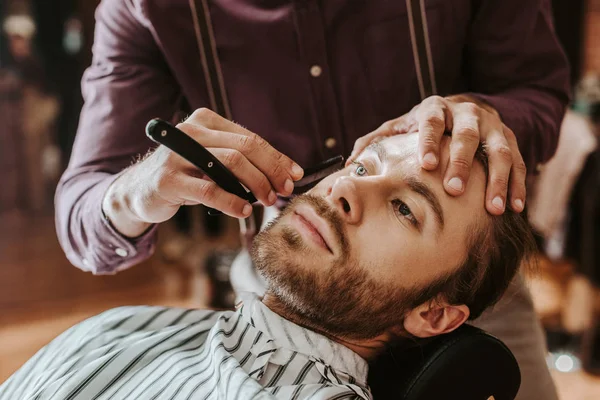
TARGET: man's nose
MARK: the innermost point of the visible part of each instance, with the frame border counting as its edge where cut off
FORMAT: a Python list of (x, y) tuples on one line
[(344, 196)]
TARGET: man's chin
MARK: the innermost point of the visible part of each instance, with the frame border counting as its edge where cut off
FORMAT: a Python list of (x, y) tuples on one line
[(283, 247)]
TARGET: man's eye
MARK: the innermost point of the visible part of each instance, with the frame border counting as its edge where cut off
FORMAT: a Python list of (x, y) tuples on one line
[(360, 169), (404, 210)]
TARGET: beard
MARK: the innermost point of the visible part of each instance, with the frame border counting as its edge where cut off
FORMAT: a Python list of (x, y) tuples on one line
[(339, 298)]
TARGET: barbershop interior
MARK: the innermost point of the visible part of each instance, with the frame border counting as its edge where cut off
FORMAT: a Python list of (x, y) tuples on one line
[(99, 211)]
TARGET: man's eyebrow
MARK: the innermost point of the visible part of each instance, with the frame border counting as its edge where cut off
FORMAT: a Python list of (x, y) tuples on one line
[(416, 185), (425, 191)]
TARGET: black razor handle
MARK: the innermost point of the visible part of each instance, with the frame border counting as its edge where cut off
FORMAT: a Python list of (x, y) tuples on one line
[(166, 134)]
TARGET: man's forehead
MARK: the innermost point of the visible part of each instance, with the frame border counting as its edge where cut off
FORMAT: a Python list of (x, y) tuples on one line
[(403, 147), (400, 152)]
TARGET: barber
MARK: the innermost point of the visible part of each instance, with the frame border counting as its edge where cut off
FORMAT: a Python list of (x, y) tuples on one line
[(310, 78)]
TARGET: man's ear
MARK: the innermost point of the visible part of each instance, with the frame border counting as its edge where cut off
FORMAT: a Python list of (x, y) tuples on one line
[(435, 318)]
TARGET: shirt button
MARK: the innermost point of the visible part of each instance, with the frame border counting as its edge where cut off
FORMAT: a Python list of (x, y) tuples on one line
[(121, 252), (330, 143), (316, 71)]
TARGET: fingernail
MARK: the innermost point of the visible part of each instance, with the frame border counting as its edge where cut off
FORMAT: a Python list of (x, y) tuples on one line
[(289, 186), (272, 197), (430, 159), (498, 203), (519, 204), (297, 170), (247, 210), (456, 184)]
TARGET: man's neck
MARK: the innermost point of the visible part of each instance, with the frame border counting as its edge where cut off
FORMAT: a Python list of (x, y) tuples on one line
[(366, 348)]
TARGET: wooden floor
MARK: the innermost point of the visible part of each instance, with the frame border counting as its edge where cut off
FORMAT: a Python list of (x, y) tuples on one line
[(41, 294)]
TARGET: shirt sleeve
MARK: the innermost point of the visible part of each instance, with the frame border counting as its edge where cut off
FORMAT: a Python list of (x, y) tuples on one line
[(516, 65), (128, 83)]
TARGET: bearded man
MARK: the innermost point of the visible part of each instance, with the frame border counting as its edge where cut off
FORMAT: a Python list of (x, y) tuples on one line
[(374, 254)]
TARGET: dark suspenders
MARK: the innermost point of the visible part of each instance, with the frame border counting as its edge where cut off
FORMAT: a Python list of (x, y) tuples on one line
[(419, 37), (215, 84), (210, 59), (217, 94)]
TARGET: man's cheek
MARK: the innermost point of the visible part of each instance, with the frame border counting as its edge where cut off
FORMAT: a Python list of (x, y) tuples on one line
[(386, 256)]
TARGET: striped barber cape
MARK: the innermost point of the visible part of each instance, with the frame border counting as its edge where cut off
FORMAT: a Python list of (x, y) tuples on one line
[(169, 353)]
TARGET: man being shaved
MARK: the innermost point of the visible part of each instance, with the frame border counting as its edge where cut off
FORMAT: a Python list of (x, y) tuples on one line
[(374, 254)]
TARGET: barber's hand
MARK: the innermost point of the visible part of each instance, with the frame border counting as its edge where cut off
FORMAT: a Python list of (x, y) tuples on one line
[(152, 190), (470, 122)]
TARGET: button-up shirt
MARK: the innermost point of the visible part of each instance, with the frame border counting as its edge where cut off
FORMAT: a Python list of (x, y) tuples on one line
[(168, 353), (309, 76)]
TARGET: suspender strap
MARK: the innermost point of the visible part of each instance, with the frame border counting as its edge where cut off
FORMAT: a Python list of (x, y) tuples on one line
[(210, 59), (419, 36), (216, 86), (219, 102)]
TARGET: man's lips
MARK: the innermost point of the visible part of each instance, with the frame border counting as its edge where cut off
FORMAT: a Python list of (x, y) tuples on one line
[(315, 226)]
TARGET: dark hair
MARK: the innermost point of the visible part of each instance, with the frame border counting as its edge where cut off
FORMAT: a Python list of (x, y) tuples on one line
[(496, 252), (498, 246)]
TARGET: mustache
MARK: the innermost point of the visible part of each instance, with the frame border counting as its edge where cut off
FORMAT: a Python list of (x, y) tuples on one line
[(327, 212)]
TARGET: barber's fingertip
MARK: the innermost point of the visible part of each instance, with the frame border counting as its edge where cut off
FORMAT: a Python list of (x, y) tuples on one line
[(247, 210), (297, 171), (518, 205), (498, 203), (272, 197), (456, 184), (288, 186), (430, 159)]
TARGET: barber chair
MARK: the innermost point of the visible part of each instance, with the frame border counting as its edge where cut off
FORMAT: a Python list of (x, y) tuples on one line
[(467, 364)]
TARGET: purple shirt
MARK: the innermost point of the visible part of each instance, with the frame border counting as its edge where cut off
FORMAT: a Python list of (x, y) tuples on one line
[(146, 64)]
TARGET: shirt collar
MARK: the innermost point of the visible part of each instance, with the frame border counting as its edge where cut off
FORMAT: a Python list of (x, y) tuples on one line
[(289, 335)]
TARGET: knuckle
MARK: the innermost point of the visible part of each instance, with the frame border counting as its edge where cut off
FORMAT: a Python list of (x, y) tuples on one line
[(246, 143), (509, 133), (393, 122), (194, 129), (503, 151), (264, 186), (435, 99), (233, 159), (232, 202), (253, 143), (470, 108), (436, 122), (500, 180), (281, 164), (282, 158), (361, 142), (429, 141), (469, 134), (520, 167), (207, 190), (461, 164), (261, 143), (277, 169), (202, 113)]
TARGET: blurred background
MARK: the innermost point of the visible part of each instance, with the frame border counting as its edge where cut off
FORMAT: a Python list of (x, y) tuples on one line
[(45, 45)]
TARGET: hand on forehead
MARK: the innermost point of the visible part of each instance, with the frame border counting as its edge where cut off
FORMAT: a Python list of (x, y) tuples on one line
[(403, 149), (397, 157)]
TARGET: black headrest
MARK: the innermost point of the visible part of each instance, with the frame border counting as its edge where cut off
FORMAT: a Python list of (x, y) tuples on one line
[(467, 364)]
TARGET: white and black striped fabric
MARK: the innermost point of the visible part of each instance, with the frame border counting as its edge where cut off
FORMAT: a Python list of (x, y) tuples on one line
[(170, 353)]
